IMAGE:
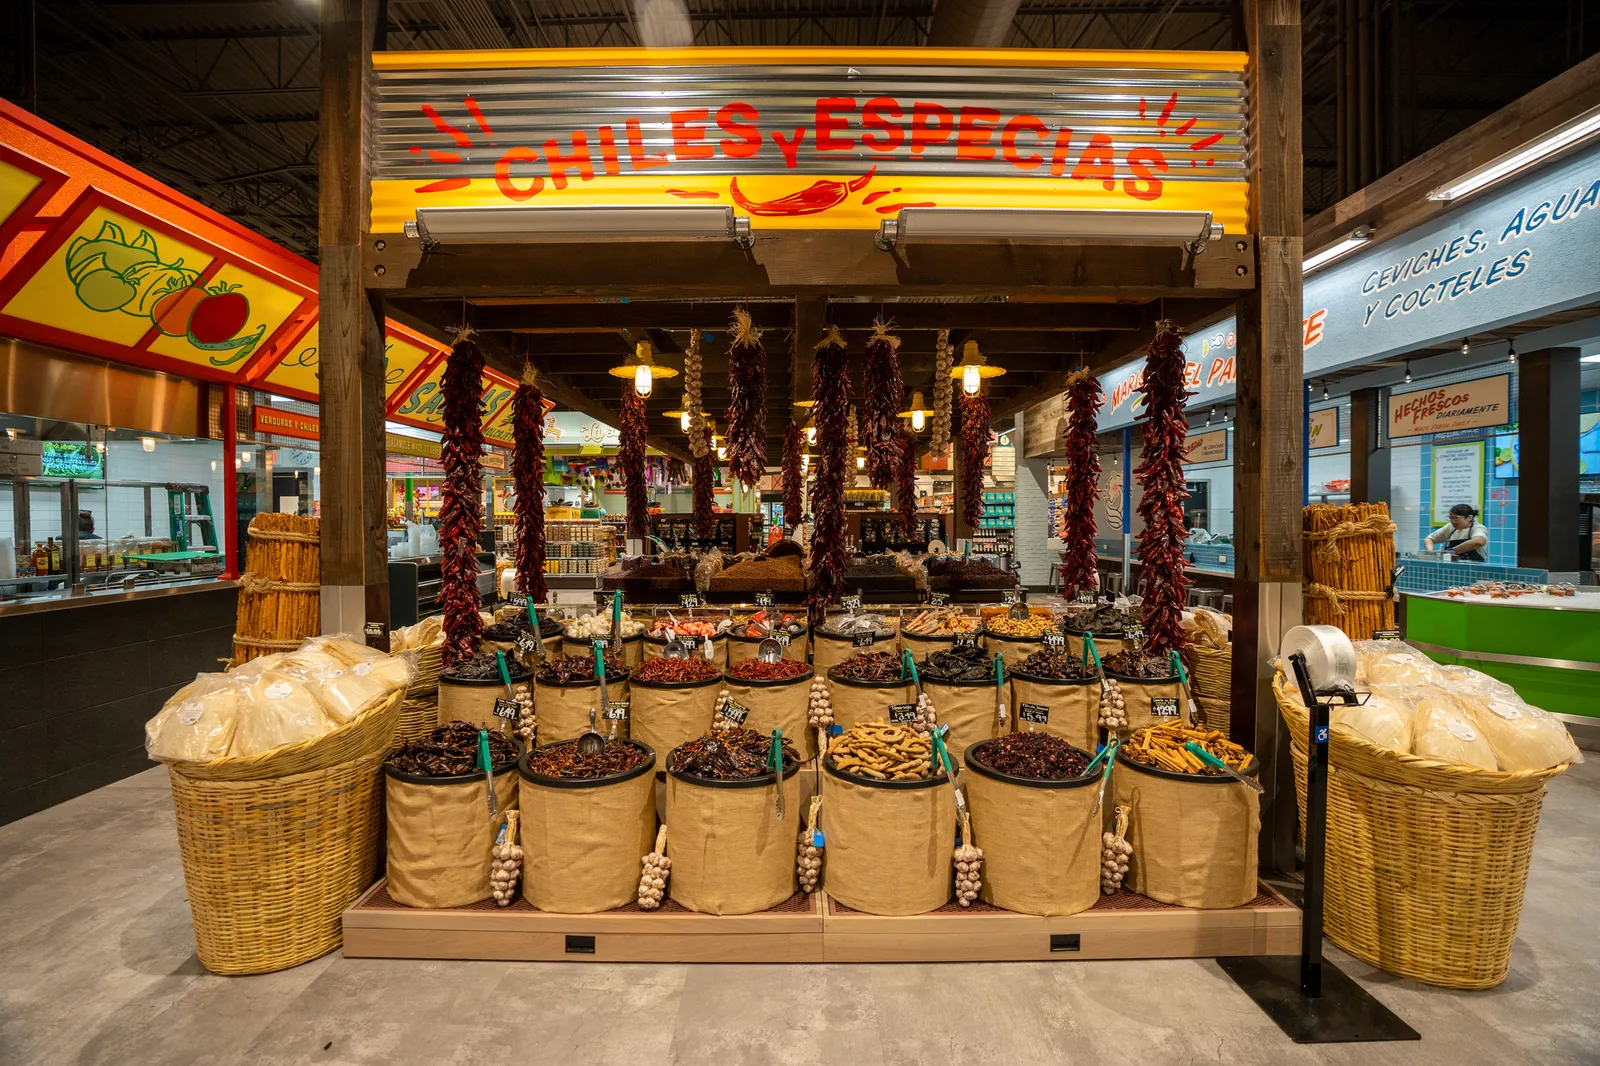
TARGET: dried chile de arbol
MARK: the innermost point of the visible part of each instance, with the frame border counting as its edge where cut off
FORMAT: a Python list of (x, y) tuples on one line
[(974, 444), (527, 468), (747, 406), (461, 498), (882, 393), (830, 389), (1083, 483), (794, 439), (1038, 756), (631, 432), (906, 482), (1160, 477)]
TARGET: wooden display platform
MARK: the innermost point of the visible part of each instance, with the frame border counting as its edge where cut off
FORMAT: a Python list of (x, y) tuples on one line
[(818, 929)]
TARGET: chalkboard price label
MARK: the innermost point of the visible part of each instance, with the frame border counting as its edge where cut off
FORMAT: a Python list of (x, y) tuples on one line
[(783, 638), (864, 640), (1010, 596), (1054, 640), (966, 640), (1085, 596), (1163, 706), (764, 599), (902, 713), (527, 643), (1134, 634), (852, 603), (506, 708), (735, 712), (1037, 713), (938, 599), (617, 711), (1385, 634), (688, 602)]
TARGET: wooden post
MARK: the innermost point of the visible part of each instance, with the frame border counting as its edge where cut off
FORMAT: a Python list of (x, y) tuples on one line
[(1369, 456), (1268, 487), (355, 582), (1548, 409)]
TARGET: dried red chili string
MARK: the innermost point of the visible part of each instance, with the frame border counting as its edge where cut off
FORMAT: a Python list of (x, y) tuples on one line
[(747, 406), (461, 498), (1083, 482), (974, 444), (906, 482), (830, 389), (882, 393), (631, 431), (793, 480), (527, 468), (1160, 477)]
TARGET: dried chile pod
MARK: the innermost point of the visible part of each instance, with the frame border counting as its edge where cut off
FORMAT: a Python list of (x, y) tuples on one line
[(906, 477), (882, 393), (527, 467), (1083, 483), (631, 431), (747, 407), (974, 445), (830, 389), (1160, 477), (793, 480), (461, 498)]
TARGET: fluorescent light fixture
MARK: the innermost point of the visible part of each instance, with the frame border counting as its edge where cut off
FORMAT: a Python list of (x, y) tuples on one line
[(1590, 358), (279, 401), (1503, 166), (578, 224), (1048, 225), (147, 443), (1359, 236)]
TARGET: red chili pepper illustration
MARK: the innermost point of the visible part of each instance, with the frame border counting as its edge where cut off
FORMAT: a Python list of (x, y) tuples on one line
[(818, 197)]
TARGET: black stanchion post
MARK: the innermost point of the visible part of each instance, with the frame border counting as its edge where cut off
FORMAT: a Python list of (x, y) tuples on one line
[(1324, 1006)]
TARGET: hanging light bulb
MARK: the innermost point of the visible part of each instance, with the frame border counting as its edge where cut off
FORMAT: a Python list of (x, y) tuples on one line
[(918, 413), (147, 443), (918, 420), (642, 383), (1324, 390), (1466, 345), (1210, 415), (811, 434), (643, 372), (1408, 371), (1511, 351), (974, 369), (861, 462)]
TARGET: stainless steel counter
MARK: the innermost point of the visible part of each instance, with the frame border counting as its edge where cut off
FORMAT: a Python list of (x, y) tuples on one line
[(63, 601)]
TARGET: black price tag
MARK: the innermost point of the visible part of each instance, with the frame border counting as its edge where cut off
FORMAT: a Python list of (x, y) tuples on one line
[(373, 629), (764, 599), (864, 640), (1010, 596), (688, 602), (527, 643), (1085, 596), (1055, 640), (735, 712), (966, 640), (1385, 634), (852, 603), (602, 599), (938, 599), (902, 713), (783, 638), (617, 711), (1163, 706), (1037, 713), (508, 709), (1134, 634)]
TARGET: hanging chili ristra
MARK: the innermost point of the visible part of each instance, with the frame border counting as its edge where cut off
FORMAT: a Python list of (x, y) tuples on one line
[(1160, 477), (461, 498), (974, 444), (1083, 482), (882, 394), (906, 480), (527, 467), (747, 406), (794, 442), (830, 391), (631, 432)]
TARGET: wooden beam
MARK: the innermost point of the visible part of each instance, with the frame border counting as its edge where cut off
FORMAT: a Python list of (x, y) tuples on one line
[(907, 317), (355, 566), (1398, 201), (808, 262)]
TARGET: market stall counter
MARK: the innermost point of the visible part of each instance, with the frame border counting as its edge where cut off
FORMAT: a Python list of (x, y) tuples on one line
[(1545, 646)]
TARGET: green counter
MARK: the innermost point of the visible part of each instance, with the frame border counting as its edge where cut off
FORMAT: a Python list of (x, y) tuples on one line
[(1550, 654)]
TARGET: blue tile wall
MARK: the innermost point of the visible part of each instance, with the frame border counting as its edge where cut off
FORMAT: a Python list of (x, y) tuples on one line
[(1428, 575)]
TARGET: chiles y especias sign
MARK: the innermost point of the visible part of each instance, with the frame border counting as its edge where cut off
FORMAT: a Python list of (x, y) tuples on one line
[(810, 138)]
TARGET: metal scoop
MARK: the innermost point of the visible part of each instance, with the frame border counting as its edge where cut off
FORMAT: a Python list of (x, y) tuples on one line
[(769, 650), (675, 648), (1019, 611), (591, 742), (1217, 764)]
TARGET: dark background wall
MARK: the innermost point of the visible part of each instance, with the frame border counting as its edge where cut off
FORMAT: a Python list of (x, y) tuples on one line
[(78, 684)]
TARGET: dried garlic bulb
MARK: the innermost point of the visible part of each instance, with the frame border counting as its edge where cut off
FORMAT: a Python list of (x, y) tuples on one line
[(653, 878), (819, 714), (924, 722), (720, 723), (506, 869), (808, 853), (526, 722), (1114, 852), (1113, 706), (969, 866)]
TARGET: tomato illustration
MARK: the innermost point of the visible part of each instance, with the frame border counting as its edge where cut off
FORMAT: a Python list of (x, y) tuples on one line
[(171, 312), (221, 314)]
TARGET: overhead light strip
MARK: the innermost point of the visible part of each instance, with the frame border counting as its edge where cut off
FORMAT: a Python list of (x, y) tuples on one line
[(1343, 247), (1502, 167)]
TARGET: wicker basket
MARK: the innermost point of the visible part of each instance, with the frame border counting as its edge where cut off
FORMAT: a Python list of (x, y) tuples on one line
[(430, 661), (1211, 682), (371, 730), (1426, 861), (419, 716)]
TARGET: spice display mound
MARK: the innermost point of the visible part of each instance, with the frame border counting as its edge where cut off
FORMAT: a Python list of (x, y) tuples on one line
[(1138, 664), (565, 762), (882, 752), (951, 572), (869, 666), (1031, 756), (663, 670), (1055, 665), (451, 750), (961, 664), (731, 755), (508, 631), (578, 669), (756, 670)]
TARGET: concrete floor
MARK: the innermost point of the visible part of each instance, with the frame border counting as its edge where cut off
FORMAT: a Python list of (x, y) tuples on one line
[(97, 965)]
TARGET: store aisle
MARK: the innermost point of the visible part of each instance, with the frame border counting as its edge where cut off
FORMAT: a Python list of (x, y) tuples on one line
[(97, 966)]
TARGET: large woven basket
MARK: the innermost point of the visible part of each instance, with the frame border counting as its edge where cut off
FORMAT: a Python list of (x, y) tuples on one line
[(429, 660), (1427, 861), (271, 860), (419, 716)]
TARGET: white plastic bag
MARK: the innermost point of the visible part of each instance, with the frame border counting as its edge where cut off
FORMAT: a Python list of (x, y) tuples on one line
[(277, 709), (1382, 721), (197, 723)]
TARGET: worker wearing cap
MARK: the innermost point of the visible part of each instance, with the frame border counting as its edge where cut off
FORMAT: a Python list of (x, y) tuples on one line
[(1463, 536)]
